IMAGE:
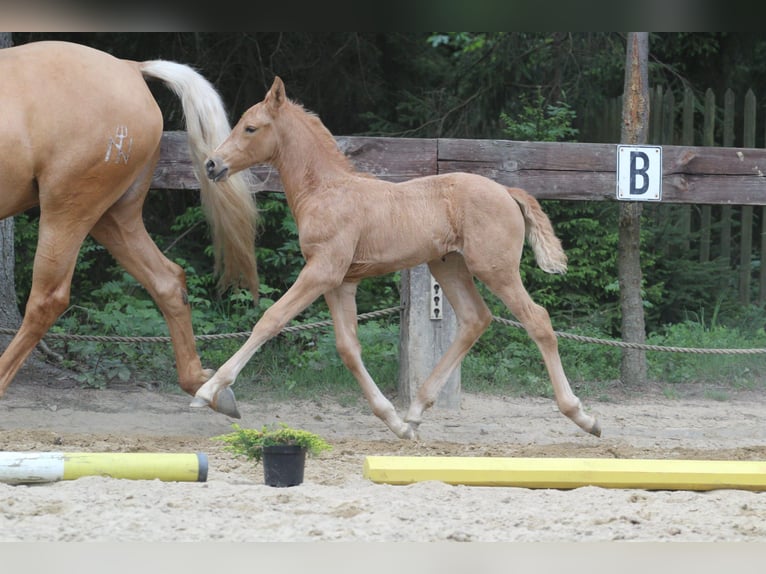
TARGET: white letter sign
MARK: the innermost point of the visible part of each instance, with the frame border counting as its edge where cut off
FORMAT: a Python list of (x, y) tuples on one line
[(639, 173)]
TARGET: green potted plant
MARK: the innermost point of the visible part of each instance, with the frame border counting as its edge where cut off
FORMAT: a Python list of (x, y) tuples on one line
[(283, 450)]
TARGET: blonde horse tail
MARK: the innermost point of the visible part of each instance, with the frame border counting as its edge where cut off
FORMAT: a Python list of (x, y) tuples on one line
[(546, 246), (229, 206)]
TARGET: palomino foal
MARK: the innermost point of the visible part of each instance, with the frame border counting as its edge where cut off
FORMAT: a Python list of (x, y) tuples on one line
[(352, 226)]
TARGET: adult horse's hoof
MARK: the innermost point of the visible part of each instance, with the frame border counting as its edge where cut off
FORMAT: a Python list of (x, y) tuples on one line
[(223, 402), (595, 430)]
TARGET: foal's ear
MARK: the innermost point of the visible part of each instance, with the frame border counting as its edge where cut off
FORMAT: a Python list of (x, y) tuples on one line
[(276, 95)]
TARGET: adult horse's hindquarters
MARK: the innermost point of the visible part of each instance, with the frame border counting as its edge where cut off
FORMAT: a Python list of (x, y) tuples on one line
[(80, 137)]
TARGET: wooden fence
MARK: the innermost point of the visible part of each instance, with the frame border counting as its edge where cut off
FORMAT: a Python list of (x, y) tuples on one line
[(568, 171), (548, 170)]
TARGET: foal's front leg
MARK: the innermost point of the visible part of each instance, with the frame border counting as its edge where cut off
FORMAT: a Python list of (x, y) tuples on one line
[(342, 304), (215, 393)]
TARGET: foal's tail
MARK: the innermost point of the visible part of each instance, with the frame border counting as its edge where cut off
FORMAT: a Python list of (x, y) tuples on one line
[(549, 254), (229, 205)]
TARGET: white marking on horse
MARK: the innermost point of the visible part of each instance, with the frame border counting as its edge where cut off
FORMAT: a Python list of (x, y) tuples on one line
[(118, 143)]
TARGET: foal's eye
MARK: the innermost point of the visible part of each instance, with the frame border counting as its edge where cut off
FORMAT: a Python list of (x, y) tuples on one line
[(251, 129)]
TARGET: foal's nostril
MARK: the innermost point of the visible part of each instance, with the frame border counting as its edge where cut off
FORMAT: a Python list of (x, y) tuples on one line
[(210, 165)]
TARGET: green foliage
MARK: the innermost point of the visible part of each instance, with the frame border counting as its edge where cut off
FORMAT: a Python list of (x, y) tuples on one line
[(464, 42), (506, 360), (516, 369), (123, 314), (306, 364), (378, 340), (249, 443), (589, 363), (540, 121), (24, 244), (588, 232), (91, 259), (742, 332), (279, 254)]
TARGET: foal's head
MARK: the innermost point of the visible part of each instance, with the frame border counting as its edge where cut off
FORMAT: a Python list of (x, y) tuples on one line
[(253, 140)]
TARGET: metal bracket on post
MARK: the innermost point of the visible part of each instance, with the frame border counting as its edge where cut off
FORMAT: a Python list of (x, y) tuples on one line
[(436, 299)]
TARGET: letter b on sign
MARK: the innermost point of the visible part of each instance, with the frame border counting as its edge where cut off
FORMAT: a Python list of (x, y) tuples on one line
[(639, 173)]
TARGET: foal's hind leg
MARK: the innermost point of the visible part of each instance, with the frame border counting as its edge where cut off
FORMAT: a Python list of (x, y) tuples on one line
[(342, 304), (473, 318), (506, 284), (121, 230)]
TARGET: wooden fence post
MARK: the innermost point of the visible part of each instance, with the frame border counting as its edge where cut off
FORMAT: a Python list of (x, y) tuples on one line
[(423, 339), (746, 232), (727, 211), (635, 120), (708, 139), (762, 276)]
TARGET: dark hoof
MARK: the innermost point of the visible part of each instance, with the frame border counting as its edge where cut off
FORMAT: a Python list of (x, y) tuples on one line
[(224, 402)]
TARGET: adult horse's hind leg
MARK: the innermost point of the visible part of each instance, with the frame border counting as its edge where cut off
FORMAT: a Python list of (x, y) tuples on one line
[(342, 304), (121, 230), (506, 284), (473, 318)]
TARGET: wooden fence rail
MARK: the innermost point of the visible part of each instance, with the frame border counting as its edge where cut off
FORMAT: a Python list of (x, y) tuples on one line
[(548, 170)]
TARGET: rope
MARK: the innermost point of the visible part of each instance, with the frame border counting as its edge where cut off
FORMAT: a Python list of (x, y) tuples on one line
[(390, 311), (214, 337), (642, 346)]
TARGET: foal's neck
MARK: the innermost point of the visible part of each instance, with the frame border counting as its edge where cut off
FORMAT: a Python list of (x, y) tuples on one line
[(308, 155)]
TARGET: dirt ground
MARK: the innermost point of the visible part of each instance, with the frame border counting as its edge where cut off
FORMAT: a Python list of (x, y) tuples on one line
[(336, 503)]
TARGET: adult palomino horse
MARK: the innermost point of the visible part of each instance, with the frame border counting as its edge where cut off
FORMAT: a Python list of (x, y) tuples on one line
[(352, 225), (80, 137)]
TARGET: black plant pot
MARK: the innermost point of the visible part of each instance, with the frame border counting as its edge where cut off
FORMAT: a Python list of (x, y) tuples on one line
[(283, 465)]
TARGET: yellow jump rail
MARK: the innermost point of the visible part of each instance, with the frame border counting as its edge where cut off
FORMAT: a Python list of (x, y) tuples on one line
[(568, 473), (41, 467)]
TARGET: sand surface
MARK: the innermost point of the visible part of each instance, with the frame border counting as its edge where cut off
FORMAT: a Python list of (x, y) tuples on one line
[(336, 503)]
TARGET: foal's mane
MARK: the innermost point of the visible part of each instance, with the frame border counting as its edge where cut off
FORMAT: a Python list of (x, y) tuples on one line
[(319, 138)]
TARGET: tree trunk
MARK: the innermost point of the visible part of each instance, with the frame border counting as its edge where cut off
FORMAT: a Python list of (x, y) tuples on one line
[(635, 122), (10, 317), (9, 309)]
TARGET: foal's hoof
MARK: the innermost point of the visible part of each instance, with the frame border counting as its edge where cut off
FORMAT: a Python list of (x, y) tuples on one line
[(410, 432), (223, 402), (595, 430)]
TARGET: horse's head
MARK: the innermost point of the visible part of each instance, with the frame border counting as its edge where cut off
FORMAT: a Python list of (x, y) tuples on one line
[(252, 140)]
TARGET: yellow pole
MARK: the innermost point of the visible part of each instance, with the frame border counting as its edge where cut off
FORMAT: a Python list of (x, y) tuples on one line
[(143, 465), (567, 473), (41, 467)]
